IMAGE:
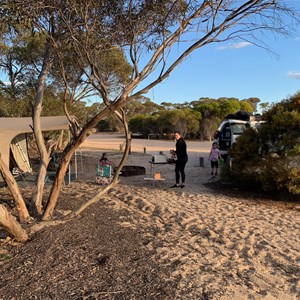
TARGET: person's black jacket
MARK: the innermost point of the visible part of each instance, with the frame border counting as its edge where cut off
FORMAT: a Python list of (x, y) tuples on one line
[(181, 149)]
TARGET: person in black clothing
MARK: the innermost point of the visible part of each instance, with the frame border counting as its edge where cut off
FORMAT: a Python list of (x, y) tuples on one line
[(181, 161)]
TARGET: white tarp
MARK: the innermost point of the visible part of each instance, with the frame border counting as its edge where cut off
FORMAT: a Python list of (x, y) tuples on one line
[(11, 130)]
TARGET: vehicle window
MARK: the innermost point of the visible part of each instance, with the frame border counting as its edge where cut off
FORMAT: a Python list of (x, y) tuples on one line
[(238, 128), (227, 133)]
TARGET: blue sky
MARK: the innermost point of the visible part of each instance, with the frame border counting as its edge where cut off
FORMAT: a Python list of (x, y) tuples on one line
[(239, 70)]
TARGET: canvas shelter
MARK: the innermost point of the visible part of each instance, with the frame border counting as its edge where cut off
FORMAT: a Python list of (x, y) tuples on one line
[(13, 137)]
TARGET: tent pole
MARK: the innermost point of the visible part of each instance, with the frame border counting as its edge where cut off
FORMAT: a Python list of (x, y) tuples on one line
[(75, 164), (69, 172)]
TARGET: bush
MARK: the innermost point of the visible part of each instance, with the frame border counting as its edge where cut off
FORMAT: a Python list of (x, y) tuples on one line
[(268, 158)]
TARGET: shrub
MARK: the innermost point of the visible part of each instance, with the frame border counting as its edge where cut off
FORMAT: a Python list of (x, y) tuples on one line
[(269, 158)]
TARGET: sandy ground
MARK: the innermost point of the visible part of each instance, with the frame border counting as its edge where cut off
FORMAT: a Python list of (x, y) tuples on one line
[(222, 245), (214, 244)]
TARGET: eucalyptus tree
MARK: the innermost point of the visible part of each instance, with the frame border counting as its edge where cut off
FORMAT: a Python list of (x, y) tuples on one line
[(210, 111), (248, 106), (253, 101), (29, 58), (26, 59), (214, 110), (139, 106), (148, 32), (184, 120), (142, 105), (15, 50), (154, 36), (57, 59), (170, 106), (144, 124)]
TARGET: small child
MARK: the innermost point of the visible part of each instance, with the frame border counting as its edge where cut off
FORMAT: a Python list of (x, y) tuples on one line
[(214, 156), (104, 160)]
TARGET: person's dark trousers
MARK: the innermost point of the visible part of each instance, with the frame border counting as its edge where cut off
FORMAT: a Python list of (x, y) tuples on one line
[(179, 170)]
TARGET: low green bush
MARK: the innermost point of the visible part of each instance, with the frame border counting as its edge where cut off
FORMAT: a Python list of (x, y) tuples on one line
[(269, 158)]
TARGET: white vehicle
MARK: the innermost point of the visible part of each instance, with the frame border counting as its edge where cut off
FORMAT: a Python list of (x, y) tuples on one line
[(231, 128)]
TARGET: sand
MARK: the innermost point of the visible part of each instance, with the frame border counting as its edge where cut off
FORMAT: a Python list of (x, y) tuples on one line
[(199, 242), (218, 245)]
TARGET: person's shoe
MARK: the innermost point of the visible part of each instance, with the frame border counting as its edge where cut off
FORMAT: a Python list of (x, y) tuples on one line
[(216, 174), (175, 185), (211, 173), (182, 186)]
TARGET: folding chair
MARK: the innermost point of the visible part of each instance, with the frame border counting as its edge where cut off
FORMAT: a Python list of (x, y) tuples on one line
[(103, 174), (52, 170)]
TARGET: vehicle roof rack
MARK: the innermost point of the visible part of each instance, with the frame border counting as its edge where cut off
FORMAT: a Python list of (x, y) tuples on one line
[(239, 115)]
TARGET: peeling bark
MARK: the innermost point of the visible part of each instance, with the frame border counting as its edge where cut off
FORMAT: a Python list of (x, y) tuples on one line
[(11, 225), (15, 191), (37, 196)]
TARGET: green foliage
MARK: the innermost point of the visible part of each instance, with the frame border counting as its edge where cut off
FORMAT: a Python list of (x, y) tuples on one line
[(20, 57), (142, 106), (215, 110), (143, 124), (196, 118), (165, 122), (269, 157), (184, 120), (110, 124), (15, 107), (245, 154)]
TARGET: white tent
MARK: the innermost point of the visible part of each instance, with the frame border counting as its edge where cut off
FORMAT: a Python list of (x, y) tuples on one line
[(13, 137)]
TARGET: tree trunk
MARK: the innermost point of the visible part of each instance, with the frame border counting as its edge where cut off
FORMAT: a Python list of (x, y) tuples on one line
[(57, 184), (11, 225), (86, 130), (97, 197), (37, 196), (14, 189)]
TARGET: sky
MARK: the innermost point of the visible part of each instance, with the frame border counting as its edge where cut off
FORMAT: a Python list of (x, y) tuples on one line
[(240, 70)]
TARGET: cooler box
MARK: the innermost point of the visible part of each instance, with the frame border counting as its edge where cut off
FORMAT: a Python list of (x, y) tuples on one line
[(159, 158)]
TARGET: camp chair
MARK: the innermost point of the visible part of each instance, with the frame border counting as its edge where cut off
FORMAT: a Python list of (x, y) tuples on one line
[(52, 169), (19, 175), (103, 174)]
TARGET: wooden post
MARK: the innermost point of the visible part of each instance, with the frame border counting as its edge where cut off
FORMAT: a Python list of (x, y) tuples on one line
[(201, 160), (129, 144)]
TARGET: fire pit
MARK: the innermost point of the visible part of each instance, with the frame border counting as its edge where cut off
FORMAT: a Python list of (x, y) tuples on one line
[(132, 171)]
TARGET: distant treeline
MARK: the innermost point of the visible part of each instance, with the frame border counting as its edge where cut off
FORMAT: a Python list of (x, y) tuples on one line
[(197, 119)]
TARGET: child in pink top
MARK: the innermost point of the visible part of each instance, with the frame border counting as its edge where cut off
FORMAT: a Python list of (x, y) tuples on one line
[(214, 156)]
